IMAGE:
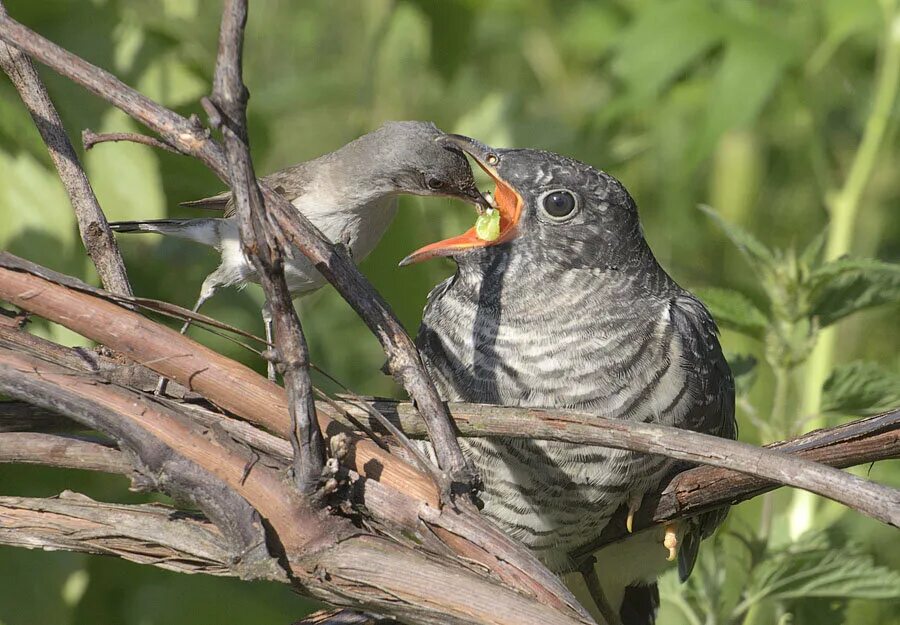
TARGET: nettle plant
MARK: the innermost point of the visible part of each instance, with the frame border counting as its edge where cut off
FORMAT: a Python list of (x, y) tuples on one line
[(757, 576)]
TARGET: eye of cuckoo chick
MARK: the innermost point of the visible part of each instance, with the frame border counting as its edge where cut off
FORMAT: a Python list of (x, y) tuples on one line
[(559, 204)]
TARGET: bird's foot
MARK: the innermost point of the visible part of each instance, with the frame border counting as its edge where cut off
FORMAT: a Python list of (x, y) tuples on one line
[(346, 242), (670, 540), (634, 504), (271, 357)]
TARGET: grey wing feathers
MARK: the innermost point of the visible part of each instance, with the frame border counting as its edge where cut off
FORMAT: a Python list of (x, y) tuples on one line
[(289, 182), (213, 202), (715, 406), (711, 376)]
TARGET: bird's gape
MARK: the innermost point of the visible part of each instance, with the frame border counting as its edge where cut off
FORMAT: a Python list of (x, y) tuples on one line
[(508, 202)]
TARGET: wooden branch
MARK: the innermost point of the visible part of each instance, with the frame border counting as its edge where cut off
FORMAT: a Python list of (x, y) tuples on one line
[(89, 139), (162, 443), (224, 382), (147, 534), (264, 248), (331, 261), (471, 420), (875, 500), (170, 455), (95, 233), (62, 451), (689, 492), (80, 395)]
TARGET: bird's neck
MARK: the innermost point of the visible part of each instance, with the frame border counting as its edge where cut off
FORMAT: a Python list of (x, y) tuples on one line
[(338, 187), (357, 174), (518, 268)]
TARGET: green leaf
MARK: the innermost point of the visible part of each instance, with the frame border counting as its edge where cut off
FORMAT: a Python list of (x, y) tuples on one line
[(590, 29), (662, 43), (744, 369), (169, 80), (814, 568), (753, 65), (847, 285), (861, 388), (452, 26), (811, 256), (758, 255), (735, 311)]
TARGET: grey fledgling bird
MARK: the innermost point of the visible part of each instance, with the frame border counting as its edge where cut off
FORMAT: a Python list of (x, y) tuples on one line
[(349, 194), (568, 308)]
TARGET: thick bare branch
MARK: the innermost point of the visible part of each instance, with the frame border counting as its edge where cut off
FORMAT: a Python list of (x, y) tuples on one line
[(147, 534), (95, 233), (398, 509), (224, 382), (63, 451), (875, 500), (170, 454)]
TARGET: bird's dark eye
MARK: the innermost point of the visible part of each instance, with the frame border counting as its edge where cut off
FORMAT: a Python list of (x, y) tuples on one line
[(559, 204), (435, 183)]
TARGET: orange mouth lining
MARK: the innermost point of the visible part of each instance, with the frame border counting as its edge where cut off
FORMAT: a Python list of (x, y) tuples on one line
[(507, 201)]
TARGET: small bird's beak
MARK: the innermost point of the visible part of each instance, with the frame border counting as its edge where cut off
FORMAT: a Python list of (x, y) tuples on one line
[(475, 197), (507, 201)]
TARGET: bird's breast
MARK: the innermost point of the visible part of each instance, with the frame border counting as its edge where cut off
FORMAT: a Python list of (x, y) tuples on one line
[(563, 344), (359, 225)]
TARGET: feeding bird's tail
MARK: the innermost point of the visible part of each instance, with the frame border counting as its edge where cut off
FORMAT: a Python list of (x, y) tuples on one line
[(205, 231)]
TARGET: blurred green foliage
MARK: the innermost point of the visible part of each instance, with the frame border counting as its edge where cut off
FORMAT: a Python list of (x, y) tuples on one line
[(756, 109)]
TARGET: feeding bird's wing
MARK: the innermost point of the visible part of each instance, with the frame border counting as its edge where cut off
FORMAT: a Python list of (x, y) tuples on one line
[(214, 202), (289, 182)]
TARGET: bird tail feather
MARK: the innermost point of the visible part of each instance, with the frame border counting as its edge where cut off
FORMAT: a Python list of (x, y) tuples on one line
[(205, 231)]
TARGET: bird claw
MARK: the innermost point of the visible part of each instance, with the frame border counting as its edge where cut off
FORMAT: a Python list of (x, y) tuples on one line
[(271, 357), (670, 541), (634, 504)]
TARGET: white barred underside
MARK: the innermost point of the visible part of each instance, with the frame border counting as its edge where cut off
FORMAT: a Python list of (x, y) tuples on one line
[(555, 496)]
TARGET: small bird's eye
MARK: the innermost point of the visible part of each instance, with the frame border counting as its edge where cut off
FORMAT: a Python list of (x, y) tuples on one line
[(435, 183), (559, 204)]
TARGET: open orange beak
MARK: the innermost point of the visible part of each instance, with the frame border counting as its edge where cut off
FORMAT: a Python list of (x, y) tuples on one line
[(508, 202)]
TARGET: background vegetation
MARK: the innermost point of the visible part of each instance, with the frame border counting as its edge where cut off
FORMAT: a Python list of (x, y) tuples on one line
[(774, 114)]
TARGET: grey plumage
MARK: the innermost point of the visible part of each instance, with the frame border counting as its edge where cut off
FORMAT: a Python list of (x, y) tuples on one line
[(349, 194), (573, 312)]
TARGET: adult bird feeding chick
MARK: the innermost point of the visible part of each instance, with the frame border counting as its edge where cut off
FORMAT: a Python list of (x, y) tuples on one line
[(565, 306), (350, 195)]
